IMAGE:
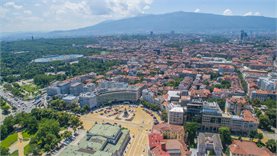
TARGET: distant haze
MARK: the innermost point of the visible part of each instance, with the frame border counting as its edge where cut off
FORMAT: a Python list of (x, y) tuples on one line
[(179, 22)]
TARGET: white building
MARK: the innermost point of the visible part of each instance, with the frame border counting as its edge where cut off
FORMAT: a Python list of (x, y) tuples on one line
[(114, 95), (267, 83), (148, 96), (53, 90), (173, 96), (112, 84), (70, 99), (64, 87), (76, 88), (176, 115), (89, 99), (90, 87)]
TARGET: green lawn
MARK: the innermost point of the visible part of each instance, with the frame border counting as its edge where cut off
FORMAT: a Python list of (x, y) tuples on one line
[(31, 88), (15, 153), (104, 52), (27, 149), (9, 140), (26, 135)]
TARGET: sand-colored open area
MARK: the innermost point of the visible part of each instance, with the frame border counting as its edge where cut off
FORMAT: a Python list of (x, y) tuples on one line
[(139, 127), (20, 144)]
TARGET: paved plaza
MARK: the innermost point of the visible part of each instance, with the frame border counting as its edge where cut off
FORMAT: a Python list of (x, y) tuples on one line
[(139, 127)]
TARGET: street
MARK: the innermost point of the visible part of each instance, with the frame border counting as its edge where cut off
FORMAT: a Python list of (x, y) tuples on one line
[(20, 105)]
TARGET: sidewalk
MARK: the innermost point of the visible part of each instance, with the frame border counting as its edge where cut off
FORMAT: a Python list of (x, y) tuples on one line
[(20, 144)]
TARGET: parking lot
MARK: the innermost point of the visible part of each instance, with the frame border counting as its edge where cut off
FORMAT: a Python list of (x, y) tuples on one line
[(139, 127)]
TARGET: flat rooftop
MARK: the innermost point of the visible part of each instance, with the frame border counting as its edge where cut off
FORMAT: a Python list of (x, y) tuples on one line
[(177, 109), (97, 144), (104, 130)]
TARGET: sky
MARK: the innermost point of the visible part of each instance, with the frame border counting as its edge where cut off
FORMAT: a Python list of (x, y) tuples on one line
[(49, 15)]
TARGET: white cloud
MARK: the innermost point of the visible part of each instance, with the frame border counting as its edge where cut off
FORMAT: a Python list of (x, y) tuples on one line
[(70, 7), (147, 7), (197, 10), (12, 5), (3, 12), (126, 8), (227, 12), (66, 14), (250, 13), (27, 12), (258, 14)]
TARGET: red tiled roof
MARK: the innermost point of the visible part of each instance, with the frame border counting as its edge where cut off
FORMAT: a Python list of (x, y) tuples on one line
[(248, 116), (154, 139), (166, 126), (248, 148), (238, 100), (217, 90), (157, 151)]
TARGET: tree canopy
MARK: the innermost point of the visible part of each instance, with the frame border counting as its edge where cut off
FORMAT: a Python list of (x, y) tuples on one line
[(225, 136), (191, 128)]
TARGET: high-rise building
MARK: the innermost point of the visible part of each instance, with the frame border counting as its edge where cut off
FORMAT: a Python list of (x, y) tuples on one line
[(243, 35)]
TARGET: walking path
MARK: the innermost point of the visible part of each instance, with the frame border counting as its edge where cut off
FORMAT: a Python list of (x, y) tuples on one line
[(20, 144)]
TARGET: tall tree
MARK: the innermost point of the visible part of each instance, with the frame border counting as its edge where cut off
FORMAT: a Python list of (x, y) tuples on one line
[(164, 116), (191, 128), (271, 144), (264, 122), (225, 136), (47, 136), (4, 150), (253, 134)]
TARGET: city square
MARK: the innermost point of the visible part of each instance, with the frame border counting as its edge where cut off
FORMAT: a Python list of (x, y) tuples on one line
[(139, 127)]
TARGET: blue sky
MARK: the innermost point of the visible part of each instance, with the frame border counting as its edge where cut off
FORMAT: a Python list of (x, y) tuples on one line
[(47, 15)]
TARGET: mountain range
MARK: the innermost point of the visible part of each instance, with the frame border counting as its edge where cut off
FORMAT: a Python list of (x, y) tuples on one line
[(179, 22)]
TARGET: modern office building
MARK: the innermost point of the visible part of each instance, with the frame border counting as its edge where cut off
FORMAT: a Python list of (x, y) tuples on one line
[(194, 109), (213, 118)]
